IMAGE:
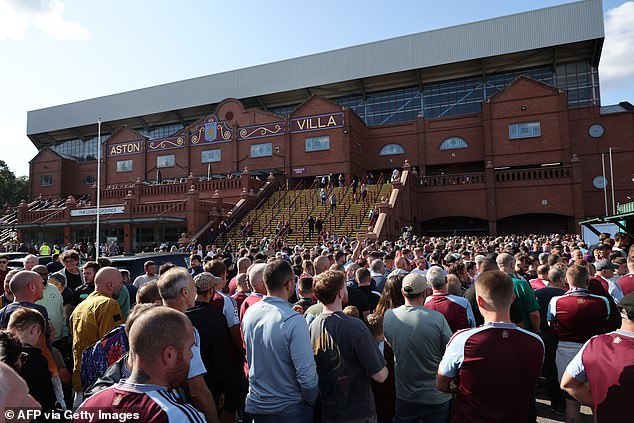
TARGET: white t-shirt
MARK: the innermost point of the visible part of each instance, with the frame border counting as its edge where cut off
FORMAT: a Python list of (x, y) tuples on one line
[(230, 310), (196, 365)]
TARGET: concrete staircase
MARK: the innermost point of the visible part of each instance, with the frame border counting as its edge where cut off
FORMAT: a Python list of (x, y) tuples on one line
[(350, 218)]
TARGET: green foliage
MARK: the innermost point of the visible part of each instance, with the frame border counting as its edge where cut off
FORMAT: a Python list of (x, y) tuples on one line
[(12, 189)]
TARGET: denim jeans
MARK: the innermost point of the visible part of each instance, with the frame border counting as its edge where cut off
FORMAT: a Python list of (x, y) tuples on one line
[(407, 412), (296, 413)]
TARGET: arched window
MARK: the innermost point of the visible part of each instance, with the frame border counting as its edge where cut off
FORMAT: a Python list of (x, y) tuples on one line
[(391, 149), (453, 143)]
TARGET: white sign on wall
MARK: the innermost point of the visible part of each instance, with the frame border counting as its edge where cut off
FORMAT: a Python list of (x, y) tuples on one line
[(93, 211)]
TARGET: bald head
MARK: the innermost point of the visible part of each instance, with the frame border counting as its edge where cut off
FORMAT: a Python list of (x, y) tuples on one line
[(243, 264), (505, 262), (256, 280), (453, 285), (108, 281), (321, 264), (39, 268), (22, 284)]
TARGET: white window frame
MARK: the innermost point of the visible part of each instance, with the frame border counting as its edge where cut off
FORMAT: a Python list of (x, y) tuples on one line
[(165, 164), (125, 165), (212, 152), (46, 183), (318, 143), (268, 150), (518, 131)]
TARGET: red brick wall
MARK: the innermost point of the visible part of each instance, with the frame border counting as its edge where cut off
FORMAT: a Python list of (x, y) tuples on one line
[(564, 133)]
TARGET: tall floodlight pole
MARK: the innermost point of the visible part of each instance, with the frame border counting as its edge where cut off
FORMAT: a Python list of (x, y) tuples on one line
[(97, 246), (605, 184), (612, 183)]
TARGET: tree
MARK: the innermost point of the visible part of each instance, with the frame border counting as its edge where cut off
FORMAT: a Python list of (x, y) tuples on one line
[(12, 189)]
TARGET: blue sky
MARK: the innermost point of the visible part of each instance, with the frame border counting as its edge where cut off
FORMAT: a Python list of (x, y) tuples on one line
[(58, 51)]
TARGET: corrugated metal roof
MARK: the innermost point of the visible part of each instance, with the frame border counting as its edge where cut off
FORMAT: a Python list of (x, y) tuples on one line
[(558, 25), (614, 108)]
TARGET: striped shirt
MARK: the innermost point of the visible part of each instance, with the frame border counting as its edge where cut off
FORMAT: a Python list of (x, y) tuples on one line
[(153, 403)]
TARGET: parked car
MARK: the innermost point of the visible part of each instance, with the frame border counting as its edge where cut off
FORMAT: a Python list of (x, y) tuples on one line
[(18, 262), (134, 263)]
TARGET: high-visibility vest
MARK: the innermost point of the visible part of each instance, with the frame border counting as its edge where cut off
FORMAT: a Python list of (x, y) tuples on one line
[(45, 250)]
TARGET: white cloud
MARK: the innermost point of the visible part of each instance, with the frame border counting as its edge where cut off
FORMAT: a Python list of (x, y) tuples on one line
[(617, 59), (17, 15), (22, 149)]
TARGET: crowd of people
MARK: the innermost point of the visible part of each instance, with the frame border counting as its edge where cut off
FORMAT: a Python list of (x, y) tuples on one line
[(435, 329)]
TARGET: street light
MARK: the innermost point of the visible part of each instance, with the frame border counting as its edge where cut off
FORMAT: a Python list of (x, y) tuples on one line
[(276, 153), (97, 246)]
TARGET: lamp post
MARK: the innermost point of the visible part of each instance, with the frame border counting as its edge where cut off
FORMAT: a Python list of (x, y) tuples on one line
[(97, 245), (605, 185), (612, 183), (276, 153)]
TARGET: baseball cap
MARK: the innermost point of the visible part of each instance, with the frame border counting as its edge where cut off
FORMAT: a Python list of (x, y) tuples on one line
[(627, 305), (205, 281), (415, 283), (59, 276), (605, 264)]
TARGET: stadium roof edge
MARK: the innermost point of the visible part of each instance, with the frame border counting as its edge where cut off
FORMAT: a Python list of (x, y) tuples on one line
[(557, 25)]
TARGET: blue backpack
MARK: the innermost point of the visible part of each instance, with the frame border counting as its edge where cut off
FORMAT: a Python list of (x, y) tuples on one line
[(96, 359)]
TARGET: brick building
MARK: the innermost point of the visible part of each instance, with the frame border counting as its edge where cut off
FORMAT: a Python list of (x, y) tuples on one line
[(500, 122)]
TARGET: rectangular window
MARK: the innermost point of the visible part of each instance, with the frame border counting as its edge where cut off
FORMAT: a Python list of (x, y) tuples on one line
[(210, 156), (46, 180), (165, 161), (261, 150), (524, 130), (318, 143), (124, 166)]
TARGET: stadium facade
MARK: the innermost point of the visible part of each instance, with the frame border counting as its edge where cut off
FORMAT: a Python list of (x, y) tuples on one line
[(500, 122)]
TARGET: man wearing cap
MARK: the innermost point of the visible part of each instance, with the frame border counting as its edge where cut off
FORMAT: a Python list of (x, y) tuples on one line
[(494, 368), (576, 316), (605, 272), (600, 374), (626, 283), (212, 328), (418, 337)]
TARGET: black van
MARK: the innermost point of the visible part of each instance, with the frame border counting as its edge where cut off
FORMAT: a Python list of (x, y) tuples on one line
[(134, 263)]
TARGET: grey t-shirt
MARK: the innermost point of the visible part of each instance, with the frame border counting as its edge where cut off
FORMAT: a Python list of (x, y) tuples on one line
[(143, 279), (346, 355), (418, 337)]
